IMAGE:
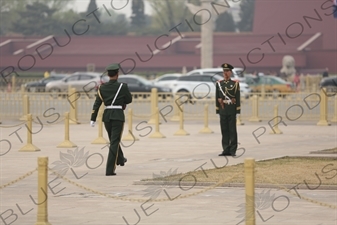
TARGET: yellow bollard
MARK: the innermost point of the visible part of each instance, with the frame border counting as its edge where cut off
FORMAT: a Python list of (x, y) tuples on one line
[(181, 130), (275, 129), (154, 105), (42, 209), (73, 105), (238, 120), (130, 136), (26, 107), (255, 104), (156, 133), (66, 143), (323, 115), (29, 147), (206, 129), (250, 193), (13, 83), (100, 139), (334, 119), (176, 110)]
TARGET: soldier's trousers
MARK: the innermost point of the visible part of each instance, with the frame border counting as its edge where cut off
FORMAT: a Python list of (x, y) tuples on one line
[(114, 129), (229, 134)]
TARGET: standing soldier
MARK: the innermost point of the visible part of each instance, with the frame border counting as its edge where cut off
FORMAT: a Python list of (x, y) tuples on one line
[(115, 96), (227, 102)]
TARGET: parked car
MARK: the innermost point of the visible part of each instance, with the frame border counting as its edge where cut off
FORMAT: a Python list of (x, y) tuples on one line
[(166, 79), (330, 83), (203, 86), (272, 84), (81, 81), (237, 73), (137, 83), (40, 85)]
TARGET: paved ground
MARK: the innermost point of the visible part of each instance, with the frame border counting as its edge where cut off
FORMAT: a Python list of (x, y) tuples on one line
[(148, 157)]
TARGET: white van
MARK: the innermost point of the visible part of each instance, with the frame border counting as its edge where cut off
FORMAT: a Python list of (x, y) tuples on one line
[(237, 73)]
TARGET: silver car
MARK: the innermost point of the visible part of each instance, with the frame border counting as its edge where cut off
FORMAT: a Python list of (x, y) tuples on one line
[(81, 81)]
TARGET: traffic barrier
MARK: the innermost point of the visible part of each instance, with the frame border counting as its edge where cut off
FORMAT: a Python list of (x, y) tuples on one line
[(334, 119), (249, 165), (323, 113), (130, 136), (156, 133), (13, 84), (73, 100), (238, 120), (255, 112), (42, 190), (26, 107), (181, 131), (29, 147), (100, 139), (275, 129), (206, 129), (66, 143), (154, 105), (176, 110)]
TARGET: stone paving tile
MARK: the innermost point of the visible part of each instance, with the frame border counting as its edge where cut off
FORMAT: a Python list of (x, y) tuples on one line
[(75, 206)]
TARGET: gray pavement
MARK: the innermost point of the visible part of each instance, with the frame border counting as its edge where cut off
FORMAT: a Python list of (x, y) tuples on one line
[(122, 199)]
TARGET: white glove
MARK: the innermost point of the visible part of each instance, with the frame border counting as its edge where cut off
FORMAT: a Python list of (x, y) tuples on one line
[(92, 123)]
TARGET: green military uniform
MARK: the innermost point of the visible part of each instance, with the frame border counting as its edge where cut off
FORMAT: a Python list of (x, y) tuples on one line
[(113, 117), (227, 101)]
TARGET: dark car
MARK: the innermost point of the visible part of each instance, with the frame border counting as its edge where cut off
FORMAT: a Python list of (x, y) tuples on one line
[(137, 83), (40, 85), (330, 83)]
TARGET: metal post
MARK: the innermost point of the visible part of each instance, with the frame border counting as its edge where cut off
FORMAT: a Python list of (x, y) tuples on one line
[(130, 136), (181, 130), (154, 105), (42, 209), (250, 193), (29, 147), (156, 133), (66, 143), (206, 129), (323, 115)]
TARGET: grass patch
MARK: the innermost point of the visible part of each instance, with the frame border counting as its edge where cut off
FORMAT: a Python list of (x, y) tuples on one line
[(287, 170)]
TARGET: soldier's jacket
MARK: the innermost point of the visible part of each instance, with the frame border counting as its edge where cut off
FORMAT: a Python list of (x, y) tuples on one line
[(232, 90), (105, 94)]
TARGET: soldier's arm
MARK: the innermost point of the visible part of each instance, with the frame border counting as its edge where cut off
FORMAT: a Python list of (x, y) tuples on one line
[(97, 105), (237, 98), (128, 96), (217, 95)]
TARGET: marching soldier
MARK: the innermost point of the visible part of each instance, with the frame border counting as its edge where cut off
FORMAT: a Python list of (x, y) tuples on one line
[(115, 96), (227, 102)]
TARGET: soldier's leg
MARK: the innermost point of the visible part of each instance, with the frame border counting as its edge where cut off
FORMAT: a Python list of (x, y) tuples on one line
[(224, 133), (116, 128), (233, 145), (120, 159)]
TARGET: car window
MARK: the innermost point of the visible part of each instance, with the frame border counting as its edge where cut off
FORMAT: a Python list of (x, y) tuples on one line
[(72, 78), (132, 81), (86, 77), (191, 78), (167, 78)]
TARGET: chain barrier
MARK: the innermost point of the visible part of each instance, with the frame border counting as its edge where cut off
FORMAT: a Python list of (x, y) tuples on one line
[(10, 126), (148, 116), (301, 197), (218, 184), (18, 179)]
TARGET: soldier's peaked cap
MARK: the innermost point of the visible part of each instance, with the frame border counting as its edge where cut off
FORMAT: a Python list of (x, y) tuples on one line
[(114, 66), (227, 66)]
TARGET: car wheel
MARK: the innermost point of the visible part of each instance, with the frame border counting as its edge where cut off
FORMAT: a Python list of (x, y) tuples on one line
[(276, 93), (54, 92), (184, 92)]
